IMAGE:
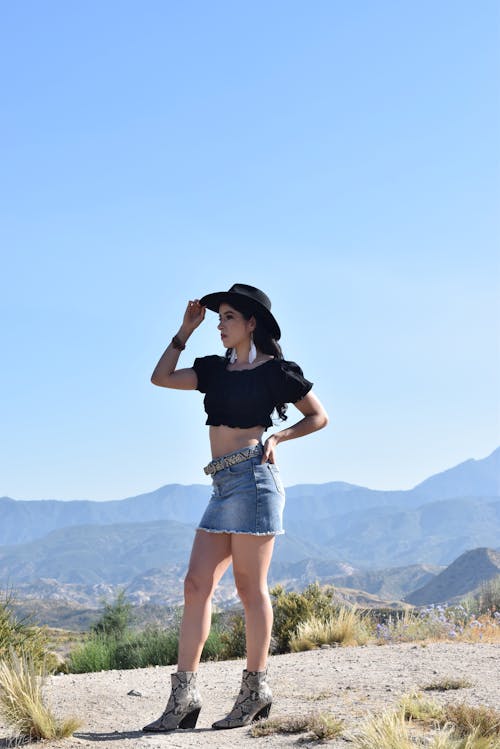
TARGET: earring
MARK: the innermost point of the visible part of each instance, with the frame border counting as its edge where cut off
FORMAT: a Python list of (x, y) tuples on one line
[(252, 355), (233, 356)]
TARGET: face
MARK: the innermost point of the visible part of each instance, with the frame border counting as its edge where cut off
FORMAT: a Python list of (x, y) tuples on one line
[(233, 327)]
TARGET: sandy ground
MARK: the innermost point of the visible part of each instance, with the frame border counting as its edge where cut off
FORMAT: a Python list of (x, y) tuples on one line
[(349, 682)]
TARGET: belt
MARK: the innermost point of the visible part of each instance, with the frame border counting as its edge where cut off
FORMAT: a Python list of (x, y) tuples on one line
[(232, 459)]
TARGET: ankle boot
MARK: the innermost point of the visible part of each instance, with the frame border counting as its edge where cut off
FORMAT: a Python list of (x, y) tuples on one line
[(183, 706), (252, 703)]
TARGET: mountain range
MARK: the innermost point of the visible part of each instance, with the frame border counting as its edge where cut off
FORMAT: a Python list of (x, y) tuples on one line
[(390, 544)]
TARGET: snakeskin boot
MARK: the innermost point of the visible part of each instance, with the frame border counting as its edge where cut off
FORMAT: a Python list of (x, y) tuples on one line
[(183, 706), (252, 703)]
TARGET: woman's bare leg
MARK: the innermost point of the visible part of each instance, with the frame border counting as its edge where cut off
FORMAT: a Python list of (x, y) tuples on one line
[(251, 560), (210, 558)]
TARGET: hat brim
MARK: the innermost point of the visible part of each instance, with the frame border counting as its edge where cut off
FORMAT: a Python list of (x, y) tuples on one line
[(214, 301)]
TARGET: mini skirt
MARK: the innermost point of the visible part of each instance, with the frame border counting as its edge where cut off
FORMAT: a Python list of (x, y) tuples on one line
[(247, 498)]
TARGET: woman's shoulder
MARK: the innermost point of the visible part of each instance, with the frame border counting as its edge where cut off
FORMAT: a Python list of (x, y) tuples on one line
[(205, 365), (289, 382), (211, 360), (286, 365)]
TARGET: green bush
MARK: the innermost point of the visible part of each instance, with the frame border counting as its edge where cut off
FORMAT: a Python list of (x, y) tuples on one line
[(94, 655), (151, 647), (212, 650), (19, 635), (111, 644), (115, 618), (233, 637), (292, 608)]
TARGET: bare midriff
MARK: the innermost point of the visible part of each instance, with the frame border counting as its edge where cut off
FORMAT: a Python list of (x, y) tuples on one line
[(224, 440)]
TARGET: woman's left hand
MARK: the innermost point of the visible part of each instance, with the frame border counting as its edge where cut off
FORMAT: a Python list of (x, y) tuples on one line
[(269, 450)]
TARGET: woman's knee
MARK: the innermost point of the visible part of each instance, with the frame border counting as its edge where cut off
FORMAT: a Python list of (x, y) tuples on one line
[(195, 586), (251, 593)]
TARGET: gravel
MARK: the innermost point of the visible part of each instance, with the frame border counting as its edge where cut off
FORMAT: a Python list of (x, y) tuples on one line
[(348, 682)]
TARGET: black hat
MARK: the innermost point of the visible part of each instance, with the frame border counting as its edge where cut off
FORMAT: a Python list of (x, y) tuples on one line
[(253, 298)]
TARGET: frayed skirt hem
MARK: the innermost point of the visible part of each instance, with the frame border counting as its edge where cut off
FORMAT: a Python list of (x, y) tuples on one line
[(241, 533)]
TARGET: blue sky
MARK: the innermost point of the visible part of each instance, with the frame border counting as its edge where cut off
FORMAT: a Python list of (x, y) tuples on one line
[(343, 157)]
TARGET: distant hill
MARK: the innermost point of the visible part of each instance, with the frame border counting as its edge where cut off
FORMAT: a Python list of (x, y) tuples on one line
[(378, 538), (156, 592), (23, 521), (435, 533), (462, 577), (95, 554), (471, 478), (26, 520), (389, 544)]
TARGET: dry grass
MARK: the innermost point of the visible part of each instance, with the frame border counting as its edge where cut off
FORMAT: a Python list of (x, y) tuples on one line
[(317, 726), (463, 719), (446, 683), (19, 634), (388, 730), (317, 697), (437, 624), (484, 721), (447, 739), (393, 730), (416, 707), (485, 628), (22, 704), (346, 627)]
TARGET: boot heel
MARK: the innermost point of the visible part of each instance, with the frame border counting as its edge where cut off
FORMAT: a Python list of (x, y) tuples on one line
[(264, 713), (183, 706), (252, 703), (189, 721)]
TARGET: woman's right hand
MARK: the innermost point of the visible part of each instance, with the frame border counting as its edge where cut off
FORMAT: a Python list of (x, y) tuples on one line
[(193, 316)]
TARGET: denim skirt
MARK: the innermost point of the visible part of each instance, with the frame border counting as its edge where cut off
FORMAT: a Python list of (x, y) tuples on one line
[(247, 498)]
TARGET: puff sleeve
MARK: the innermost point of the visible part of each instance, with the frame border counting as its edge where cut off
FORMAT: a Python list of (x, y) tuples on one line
[(204, 367), (290, 385)]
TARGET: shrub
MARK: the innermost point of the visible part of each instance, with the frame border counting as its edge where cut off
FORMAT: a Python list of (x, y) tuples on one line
[(158, 647), (115, 618), (320, 726), (233, 638), (483, 721), (488, 597), (22, 704), (19, 635), (213, 648), (93, 655), (292, 608), (151, 647), (440, 623), (446, 683), (345, 627)]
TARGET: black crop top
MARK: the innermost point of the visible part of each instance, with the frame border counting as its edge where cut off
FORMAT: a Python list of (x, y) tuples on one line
[(247, 397)]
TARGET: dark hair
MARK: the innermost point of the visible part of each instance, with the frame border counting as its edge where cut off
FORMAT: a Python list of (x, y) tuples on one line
[(264, 342)]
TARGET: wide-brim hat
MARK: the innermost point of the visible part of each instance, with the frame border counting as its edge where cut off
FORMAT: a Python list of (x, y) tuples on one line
[(251, 297)]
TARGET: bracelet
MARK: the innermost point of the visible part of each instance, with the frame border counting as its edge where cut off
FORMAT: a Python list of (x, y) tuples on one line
[(178, 344)]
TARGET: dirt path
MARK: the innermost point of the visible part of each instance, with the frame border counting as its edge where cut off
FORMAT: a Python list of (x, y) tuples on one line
[(350, 682)]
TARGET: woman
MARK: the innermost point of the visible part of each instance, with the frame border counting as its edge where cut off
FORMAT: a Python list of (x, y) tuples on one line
[(245, 511)]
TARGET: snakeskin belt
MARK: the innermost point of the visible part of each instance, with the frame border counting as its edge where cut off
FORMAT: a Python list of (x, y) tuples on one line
[(231, 460)]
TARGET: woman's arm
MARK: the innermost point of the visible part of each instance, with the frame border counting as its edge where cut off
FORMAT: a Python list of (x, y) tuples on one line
[(315, 417), (164, 374)]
